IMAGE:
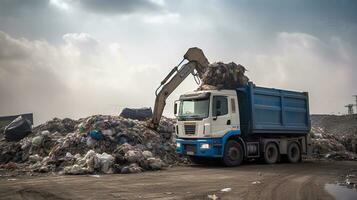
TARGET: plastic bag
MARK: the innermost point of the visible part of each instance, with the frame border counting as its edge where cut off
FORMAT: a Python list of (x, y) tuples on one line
[(136, 113), (17, 129)]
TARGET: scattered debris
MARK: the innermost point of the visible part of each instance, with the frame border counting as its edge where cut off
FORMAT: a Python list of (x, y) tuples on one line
[(94, 175), (169, 193), (226, 190), (341, 155), (349, 180), (256, 182), (213, 196)]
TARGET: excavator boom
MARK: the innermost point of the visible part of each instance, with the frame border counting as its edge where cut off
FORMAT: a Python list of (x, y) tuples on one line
[(197, 61)]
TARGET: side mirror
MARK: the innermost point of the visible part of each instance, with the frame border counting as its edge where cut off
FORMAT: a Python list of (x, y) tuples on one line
[(175, 108)]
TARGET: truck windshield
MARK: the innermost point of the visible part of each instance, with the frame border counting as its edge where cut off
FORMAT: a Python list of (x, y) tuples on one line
[(193, 108)]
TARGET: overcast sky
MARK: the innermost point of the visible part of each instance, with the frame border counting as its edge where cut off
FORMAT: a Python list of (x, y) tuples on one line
[(74, 58)]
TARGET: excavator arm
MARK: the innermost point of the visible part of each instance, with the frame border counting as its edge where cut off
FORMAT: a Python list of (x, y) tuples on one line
[(197, 61)]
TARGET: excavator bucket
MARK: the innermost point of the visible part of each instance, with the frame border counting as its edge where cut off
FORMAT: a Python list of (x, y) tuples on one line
[(195, 54)]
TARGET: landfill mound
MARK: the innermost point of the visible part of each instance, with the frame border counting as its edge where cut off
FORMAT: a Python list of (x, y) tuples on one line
[(334, 137), (96, 144), (223, 76)]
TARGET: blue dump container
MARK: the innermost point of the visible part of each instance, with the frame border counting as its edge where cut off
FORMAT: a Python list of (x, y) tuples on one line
[(266, 111)]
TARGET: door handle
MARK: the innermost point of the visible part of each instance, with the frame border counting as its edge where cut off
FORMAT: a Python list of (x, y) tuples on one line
[(229, 122)]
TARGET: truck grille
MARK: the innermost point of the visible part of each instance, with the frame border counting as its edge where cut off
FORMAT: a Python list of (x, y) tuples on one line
[(190, 129)]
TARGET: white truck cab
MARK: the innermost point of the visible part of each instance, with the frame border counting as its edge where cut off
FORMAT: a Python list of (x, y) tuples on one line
[(207, 114), (205, 120)]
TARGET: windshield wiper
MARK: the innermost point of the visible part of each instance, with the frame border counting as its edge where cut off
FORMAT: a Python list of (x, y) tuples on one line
[(191, 116), (195, 116)]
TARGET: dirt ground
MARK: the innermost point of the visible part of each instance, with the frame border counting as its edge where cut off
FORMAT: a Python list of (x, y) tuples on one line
[(281, 181)]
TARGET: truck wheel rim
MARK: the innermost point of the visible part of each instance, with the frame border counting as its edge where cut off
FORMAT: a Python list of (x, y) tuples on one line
[(233, 154)]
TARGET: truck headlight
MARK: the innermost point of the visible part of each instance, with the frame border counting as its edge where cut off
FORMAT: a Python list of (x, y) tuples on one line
[(178, 145), (204, 146)]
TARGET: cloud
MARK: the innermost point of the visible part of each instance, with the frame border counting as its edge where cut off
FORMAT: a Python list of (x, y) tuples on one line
[(62, 4), (83, 42), (106, 7), (301, 61), (18, 8), (80, 77), (121, 6), (163, 18)]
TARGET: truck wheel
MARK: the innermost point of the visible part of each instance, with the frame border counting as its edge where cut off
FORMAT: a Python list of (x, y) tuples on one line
[(271, 154), (233, 154), (294, 153)]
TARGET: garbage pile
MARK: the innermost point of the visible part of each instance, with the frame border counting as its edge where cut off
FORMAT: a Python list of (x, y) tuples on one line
[(223, 76), (96, 144), (334, 137)]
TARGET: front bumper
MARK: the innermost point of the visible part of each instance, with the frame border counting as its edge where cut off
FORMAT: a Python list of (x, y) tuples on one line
[(192, 147)]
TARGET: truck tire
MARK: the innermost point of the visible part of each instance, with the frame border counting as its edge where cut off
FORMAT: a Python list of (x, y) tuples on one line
[(233, 154), (271, 154), (294, 153)]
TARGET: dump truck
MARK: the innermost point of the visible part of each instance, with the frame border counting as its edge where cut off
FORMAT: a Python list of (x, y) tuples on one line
[(232, 125), (248, 122)]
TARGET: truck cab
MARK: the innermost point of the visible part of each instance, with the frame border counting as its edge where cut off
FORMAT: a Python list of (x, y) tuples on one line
[(204, 120), (207, 114)]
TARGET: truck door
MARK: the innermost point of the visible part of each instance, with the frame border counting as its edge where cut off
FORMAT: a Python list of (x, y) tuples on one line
[(221, 118)]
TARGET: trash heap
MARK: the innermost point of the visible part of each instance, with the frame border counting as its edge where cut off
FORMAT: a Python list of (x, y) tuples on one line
[(96, 144), (334, 137), (223, 76)]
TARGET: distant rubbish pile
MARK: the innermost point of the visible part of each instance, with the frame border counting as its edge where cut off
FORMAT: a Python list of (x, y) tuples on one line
[(334, 137), (96, 144), (224, 76)]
